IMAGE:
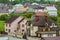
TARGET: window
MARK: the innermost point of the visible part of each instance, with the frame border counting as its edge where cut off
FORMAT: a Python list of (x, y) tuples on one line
[(6, 25), (14, 30), (6, 29), (23, 30), (22, 25), (46, 24), (9, 30)]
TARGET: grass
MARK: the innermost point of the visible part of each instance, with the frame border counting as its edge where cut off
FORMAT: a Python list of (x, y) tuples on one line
[(1, 25)]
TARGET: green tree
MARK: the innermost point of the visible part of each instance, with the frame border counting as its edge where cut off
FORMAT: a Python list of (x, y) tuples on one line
[(4, 1), (4, 17)]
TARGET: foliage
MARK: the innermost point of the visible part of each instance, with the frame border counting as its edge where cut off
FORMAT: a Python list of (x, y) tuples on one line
[(1, 25), (4, 17), (26, 14), (53, 17), (4, 1)]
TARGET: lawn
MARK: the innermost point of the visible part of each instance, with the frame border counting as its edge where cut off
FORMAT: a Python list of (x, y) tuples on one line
[(1, 25)]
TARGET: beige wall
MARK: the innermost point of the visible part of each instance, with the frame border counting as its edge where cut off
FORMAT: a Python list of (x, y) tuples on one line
[(48, 35), (23, 28), (32, 31), (14, 25)]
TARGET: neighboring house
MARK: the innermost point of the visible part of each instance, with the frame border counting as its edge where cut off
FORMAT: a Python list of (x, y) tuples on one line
[(17, 6), (4, 8), (15, 24), (31, 8), (27, 4), (11, 10), (21, 9), (42, 26), (41, 13), (39, 9), (34, 4), (52, 11), (52, 38)]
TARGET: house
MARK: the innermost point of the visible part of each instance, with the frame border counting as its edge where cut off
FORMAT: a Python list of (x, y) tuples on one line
[(4, 8), (17, 6), (34, 4), (21, 9), (39, 9), (31, 8), (52, 38), (40, 13), (42, 26), (15, 25), (52, 11), (11, 10), (27, 3)]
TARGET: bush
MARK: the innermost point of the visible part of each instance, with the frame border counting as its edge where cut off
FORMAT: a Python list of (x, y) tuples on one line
[(4, 17)]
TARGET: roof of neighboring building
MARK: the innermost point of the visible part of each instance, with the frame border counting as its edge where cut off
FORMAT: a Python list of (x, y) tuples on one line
[(21, 9), (18, 5), (4, 8), (21, 20), (52, 38), (34, 4), (39, 7), (42, 22), (10, 20), (40, 13), (50, 32), (55, 28), (51, 8)]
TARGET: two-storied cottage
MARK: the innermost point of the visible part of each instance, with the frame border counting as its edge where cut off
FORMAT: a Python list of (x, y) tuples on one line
[(42, 26), (15, 24)]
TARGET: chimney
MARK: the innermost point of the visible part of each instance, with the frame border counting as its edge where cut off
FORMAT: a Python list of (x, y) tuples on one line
[(37, 18), (46, 18)]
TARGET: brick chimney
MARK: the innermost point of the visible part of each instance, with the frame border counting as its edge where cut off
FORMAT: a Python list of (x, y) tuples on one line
[(46, 18), (37, 18)]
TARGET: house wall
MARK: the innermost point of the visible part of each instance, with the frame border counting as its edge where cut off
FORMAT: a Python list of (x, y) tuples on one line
[(6, 27), (39, 10), (48, 35), (51, 12), (13, 26), (59, 32), (23, 27), (33, 30), (54, 13)]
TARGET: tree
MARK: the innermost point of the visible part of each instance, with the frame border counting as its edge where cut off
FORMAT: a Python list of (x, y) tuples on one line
[(4, 17), (4, 1)]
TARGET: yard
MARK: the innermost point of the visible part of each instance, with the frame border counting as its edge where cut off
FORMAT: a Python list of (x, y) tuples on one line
[(1, 25)]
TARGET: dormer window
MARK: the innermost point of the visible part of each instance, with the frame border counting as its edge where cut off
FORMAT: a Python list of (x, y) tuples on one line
[(53, 24), (46, 24)]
